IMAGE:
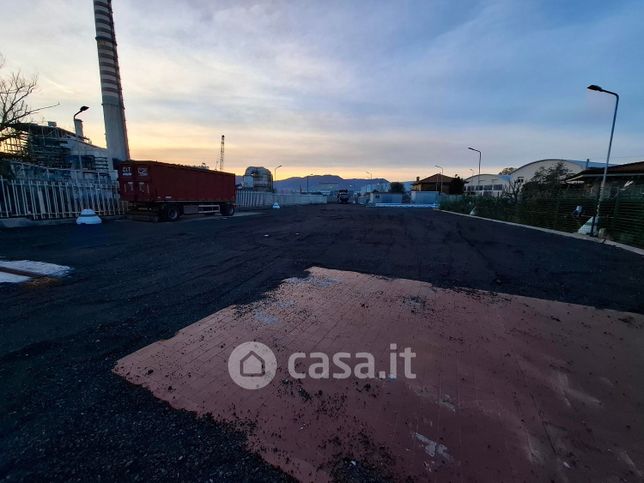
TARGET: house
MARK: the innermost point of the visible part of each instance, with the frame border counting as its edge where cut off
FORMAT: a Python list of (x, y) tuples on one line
[(435, 182), (623, 177)]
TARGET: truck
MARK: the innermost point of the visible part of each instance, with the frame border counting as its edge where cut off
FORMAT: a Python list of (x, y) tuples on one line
[(343, 196), (168, 191)]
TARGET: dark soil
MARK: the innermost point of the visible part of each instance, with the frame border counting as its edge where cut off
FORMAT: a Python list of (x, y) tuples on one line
[(65, 416)]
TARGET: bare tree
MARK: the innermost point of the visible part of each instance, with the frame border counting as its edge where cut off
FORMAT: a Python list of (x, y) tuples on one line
[(513, 190), (15, 90)]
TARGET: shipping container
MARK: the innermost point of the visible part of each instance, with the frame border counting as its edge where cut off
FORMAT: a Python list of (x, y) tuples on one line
[(172, 190)]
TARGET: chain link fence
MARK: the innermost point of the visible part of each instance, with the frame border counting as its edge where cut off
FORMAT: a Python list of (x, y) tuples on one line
[(621, 216)]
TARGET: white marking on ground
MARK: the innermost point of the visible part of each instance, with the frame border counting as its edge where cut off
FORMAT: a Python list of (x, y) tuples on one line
[(11, 278), (433, 448), (447, 403), (627, 459), (38, 268)]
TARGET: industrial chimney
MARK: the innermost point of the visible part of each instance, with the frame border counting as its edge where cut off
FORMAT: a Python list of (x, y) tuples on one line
[(113, 107)]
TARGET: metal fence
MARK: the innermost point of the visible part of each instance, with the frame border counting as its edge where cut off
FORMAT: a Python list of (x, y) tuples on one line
[(621, 216), (260, 199), (43, 200)]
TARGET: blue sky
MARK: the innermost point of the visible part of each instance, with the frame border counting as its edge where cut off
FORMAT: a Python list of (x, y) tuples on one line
[(344, 87)]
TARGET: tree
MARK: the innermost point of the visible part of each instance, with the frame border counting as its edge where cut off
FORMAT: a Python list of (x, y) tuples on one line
[(513, 190), (457, 186), (547, 180), (396, 187), (14, 92)]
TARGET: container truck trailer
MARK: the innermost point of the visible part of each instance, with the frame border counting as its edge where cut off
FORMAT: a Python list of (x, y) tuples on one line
[(168, 191)]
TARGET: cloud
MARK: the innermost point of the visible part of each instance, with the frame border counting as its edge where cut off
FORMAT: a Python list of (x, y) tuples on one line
[(389, 87)]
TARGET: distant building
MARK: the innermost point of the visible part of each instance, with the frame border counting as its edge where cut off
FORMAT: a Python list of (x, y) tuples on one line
[(257, 178), (497, 184), (625, 177), (376, 197), (381, 187), (487, 184), (435, 182), (327, 188)]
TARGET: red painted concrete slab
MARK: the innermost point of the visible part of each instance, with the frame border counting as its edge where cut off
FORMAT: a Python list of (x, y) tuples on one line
[(506, 387)]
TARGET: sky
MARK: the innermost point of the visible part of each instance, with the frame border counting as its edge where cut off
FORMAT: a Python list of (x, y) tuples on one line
[(345, 87)]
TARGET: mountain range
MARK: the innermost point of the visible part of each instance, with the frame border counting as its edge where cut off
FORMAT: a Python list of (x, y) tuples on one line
[(323, 182)]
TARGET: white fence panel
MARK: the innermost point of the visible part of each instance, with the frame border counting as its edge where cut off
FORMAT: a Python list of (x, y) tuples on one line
[(45, 199), (260, 199)]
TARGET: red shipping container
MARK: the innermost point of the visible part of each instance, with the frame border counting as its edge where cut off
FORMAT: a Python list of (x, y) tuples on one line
[(153, 185)]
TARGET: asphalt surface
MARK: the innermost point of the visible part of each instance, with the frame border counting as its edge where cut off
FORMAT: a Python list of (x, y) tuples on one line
[(65, 416)]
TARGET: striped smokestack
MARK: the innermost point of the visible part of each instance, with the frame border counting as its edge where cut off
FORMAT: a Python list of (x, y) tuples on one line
[(113, 107)]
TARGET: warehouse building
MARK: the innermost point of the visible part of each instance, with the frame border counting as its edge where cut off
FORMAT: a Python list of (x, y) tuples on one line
[(497, 184)]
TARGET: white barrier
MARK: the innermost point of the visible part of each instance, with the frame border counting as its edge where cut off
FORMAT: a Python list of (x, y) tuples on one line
[(260, 199), (43, 200)]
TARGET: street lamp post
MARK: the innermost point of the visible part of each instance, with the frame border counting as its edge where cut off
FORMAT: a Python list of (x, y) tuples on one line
[(602, 187), (478, 180), (275, 174), (472, 173), (78, 140), (441, 168), (307, 181)]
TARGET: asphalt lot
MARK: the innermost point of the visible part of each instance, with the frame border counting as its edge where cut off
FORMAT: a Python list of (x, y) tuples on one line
[(65, 415)]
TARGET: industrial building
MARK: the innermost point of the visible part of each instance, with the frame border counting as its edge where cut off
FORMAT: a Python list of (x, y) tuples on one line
[(496, 184), (257, 178), (50, 146)]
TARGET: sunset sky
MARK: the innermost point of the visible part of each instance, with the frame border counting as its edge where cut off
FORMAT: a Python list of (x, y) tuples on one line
[(345, 87)]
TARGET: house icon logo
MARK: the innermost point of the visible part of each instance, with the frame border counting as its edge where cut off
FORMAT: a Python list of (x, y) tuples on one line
[(252, 365)]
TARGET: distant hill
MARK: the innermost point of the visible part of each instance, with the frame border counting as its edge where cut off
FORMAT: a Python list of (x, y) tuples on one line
[(324, 183)]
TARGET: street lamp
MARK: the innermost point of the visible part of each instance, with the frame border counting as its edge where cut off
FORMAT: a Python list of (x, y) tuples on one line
[(478, 180), (602, 187), (79, 134), (275, 174), (441, 168), (472, 174), (82, 109)]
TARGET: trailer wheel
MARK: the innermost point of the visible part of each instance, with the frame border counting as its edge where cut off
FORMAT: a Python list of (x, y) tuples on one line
[(228, 209), (171, 213)]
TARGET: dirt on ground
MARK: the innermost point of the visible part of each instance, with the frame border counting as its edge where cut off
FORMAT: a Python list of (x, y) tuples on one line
[(65, 415)]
